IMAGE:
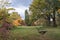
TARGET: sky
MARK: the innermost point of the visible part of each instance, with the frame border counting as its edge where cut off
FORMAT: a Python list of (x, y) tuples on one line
[(21, 6)]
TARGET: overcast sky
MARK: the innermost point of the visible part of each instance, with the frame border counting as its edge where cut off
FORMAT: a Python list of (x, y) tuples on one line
[(21, 6)]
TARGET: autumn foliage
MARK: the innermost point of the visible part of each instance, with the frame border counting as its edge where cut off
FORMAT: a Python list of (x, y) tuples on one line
[(17, 22)]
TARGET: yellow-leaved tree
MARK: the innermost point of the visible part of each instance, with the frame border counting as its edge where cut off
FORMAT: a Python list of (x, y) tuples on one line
[(16, 19)]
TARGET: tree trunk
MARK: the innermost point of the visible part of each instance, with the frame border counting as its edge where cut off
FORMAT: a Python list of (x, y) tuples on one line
[(54, 19), (49, 22)]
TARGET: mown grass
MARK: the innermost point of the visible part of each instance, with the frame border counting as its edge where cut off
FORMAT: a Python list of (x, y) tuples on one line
[(31, 33)]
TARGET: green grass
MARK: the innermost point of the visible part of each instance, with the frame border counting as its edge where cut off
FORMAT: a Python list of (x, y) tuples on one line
[(31, 33), (24, 33), (54, 33)]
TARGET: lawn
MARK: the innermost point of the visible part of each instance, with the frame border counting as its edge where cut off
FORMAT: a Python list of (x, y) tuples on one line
[(31, 33)]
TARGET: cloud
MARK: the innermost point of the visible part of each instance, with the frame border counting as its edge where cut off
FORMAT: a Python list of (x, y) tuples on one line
[(20, 10), (11, 1), (20, 6)]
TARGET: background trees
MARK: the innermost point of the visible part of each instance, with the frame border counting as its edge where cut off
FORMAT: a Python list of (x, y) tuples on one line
[(6, 19), (47, 7), (46, 10), (15, 19), (27, 18)]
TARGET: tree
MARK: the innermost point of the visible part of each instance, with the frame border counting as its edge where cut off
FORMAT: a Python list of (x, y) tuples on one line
[(16, 19), (54, 5), (4, 3), (4, 13), (58, 17), (36, 9), (14, 16), (27, 18), (49, 6)]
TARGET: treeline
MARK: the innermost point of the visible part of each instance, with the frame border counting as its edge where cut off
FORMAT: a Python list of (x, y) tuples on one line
[(43, 12)]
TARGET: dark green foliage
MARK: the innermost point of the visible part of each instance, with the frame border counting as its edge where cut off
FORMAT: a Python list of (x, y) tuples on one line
[(27, 18), (46, 7)]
